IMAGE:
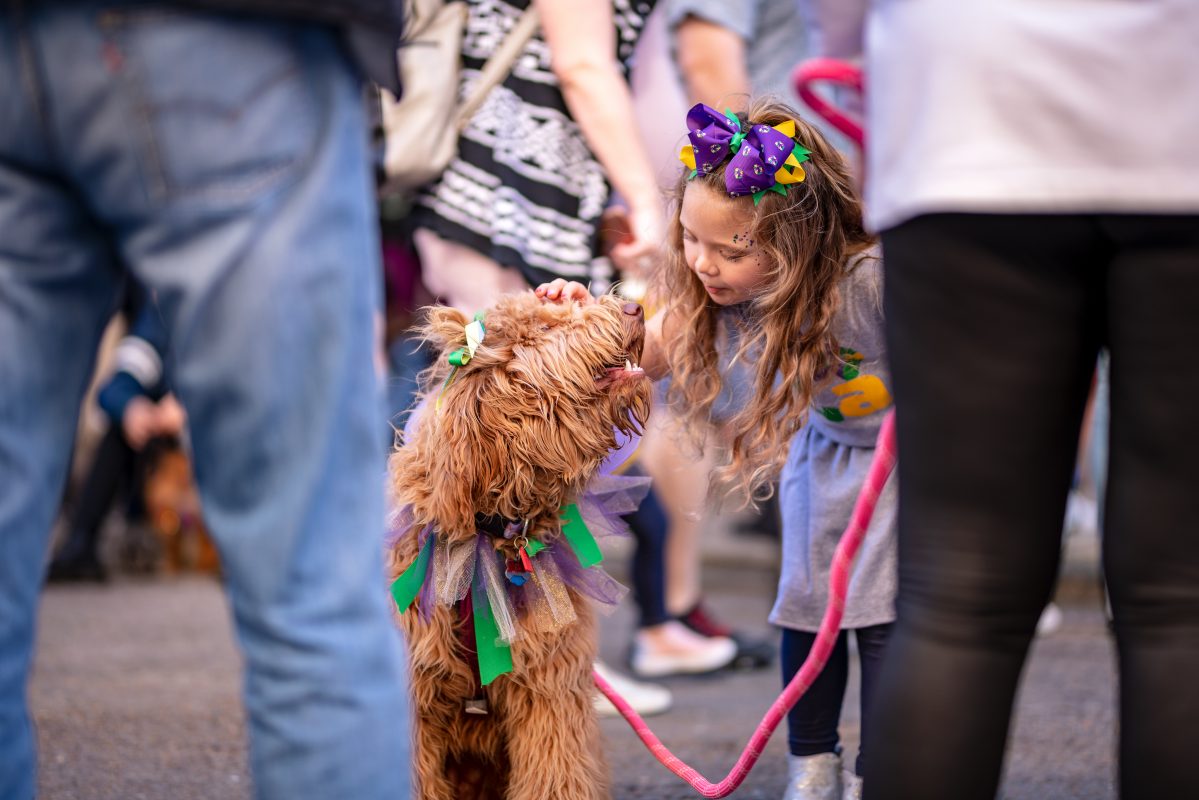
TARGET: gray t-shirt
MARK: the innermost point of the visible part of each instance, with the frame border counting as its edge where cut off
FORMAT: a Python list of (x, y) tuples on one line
[(774, 34), (827, 465)]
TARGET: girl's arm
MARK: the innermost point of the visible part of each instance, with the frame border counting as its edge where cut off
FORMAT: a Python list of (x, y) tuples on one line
[(653, 355), (582, 41)]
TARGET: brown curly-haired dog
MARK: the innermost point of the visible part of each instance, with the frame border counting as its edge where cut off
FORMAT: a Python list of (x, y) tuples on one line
[(518, 433)]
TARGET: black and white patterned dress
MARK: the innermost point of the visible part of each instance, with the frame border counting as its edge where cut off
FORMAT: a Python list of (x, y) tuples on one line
[(524, 189)]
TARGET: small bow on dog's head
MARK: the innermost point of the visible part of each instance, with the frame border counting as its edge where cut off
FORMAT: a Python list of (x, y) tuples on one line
[(474, 331)]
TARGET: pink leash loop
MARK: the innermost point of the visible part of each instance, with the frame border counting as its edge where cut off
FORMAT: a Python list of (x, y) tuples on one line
[(880, 469), (830, 70)]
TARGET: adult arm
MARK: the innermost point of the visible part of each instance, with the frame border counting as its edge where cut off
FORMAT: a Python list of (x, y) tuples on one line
[(139, 365), (711, 59), (581, 35)]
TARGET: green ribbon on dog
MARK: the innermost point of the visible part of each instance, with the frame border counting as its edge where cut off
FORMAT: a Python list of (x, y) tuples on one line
[(495, 657), (405, 588), (474, 332), (580, 538)]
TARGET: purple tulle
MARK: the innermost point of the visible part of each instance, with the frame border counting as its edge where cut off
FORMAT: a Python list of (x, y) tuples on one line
[(608, 497), (399, 522), (427, 598), (592, 582)]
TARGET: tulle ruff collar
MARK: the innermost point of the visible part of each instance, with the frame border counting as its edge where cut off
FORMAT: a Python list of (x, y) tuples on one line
[(508, 598)]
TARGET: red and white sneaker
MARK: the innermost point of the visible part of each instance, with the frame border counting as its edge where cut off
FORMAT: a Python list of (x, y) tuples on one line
[(751, 653), (674, 649)]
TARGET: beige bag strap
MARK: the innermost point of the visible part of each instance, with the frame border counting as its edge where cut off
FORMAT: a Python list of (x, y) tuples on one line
[(500, 63)]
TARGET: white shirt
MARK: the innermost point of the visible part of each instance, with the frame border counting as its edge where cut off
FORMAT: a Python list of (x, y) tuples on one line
[(1042, 106)]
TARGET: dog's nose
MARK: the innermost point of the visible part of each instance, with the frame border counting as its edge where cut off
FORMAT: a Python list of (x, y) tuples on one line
[(632, 309)]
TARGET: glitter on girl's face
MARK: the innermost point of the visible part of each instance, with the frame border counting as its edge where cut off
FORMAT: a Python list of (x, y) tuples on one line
[(717, 247)]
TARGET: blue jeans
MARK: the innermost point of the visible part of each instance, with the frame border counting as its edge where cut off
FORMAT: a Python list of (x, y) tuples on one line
[(223, 162)]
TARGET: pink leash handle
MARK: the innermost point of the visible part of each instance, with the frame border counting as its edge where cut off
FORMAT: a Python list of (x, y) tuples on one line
[(842, 73), (880, 469)]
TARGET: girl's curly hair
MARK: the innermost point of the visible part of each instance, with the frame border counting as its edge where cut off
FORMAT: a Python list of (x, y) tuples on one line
[(805, 239)]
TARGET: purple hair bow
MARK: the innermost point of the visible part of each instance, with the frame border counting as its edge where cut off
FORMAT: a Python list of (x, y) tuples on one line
[(711, 133), (764, 158)]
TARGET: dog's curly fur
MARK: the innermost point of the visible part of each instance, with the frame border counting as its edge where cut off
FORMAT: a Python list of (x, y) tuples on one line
[(520, 431)]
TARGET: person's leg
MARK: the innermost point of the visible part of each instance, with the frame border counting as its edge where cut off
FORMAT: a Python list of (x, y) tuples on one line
[(243, 194), (814, 763), (1151, 555), (681, 482), (57, 289), (111, 469), (670, 646), (872, 644), (993, 325), (812, 722), (648, 524)]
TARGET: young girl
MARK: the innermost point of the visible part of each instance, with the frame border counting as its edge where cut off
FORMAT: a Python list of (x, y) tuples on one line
[(767, 258)]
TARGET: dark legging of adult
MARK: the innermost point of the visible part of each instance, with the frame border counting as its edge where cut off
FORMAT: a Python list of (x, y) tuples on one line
[(812, 723), (993, 325)]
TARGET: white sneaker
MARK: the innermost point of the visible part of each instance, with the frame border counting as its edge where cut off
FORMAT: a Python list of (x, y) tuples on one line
[(815, 777), (675, 649), (1050, 621), (645, 698)]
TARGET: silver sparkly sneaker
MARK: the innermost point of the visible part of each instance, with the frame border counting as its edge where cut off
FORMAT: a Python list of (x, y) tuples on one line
[(851, 786), (815, 777)]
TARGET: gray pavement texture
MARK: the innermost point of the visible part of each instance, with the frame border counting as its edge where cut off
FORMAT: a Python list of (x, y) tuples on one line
[(136, 695)]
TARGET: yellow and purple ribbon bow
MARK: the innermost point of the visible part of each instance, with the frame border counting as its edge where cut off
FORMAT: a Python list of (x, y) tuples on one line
[(765, 158)]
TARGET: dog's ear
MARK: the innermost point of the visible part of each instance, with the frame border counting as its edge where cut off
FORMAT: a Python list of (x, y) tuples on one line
[(445, 327)]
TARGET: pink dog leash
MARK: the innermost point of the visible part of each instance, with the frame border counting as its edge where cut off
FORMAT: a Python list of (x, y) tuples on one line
[(840, 73), (880, 469)]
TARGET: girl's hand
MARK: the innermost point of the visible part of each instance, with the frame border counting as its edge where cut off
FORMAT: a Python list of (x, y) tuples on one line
[(564, 291)]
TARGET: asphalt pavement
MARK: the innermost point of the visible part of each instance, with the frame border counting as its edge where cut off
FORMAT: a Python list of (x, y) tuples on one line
[(136, 697)]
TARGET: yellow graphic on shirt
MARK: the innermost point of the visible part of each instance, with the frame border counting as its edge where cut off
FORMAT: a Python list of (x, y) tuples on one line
[(860, 394)]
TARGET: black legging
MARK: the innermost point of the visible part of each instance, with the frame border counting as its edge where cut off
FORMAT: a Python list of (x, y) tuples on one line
[(993, 326), (813, 721)]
